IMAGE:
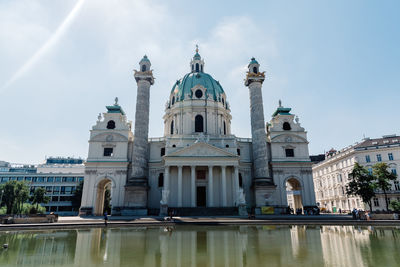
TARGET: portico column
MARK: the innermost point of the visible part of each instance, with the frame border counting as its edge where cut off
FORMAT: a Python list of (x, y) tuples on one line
[(179, 186), (236, 183), (210, 187), (223, 169), (193, 185), (166, 178)]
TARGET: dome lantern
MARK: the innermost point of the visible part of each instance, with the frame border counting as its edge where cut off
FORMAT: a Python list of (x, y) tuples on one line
[(197, 64)]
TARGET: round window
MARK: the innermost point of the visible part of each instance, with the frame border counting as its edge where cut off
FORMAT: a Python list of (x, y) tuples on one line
[(198, 93)]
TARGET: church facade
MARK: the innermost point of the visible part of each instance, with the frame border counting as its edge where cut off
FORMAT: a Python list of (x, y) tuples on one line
[(199, 166)]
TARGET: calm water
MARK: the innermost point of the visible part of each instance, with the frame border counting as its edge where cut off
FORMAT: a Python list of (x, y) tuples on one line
[(204, 246)]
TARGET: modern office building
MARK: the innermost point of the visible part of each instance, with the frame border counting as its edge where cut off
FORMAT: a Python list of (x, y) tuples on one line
[(59, 176), (332, 175)]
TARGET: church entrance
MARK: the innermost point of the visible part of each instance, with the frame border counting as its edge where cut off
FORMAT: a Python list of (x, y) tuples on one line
[(201, 196), (103, 198), (294, 198)]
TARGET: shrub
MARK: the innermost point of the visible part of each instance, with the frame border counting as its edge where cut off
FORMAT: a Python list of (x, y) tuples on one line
[(395, 205)]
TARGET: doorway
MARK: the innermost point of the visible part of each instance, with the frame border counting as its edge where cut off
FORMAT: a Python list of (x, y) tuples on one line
[(201, 196)]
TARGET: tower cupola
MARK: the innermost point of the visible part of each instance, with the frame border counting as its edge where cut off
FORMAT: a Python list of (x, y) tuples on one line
[(197, 64), (144, 64)]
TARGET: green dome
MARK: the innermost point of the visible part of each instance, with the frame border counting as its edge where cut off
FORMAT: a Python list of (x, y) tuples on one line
[(183, 86)]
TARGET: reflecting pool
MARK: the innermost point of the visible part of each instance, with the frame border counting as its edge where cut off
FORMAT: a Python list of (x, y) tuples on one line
[(204, 246)]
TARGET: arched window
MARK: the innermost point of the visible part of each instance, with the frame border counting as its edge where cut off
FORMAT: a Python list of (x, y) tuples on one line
[(172, 127), (240, 180), (223, 101), (224, 128), (173, 100), (197, 67), (143, 67), (111, 124), (192, 67), (201, 68), (286, 126), (255, 69), (198, 124)]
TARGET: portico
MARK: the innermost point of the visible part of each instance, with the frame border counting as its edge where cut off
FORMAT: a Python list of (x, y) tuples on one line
[(192, 180)]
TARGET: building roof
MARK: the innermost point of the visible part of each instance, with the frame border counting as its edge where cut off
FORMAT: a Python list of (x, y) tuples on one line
[(282, 111), (253, 61), (115, 109), (386, 140), (183, 86)]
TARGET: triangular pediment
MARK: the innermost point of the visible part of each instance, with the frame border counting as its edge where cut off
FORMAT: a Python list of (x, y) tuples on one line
[(201, 150)]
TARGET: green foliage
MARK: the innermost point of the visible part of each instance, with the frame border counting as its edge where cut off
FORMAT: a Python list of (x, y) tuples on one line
[(15, 194), (32, 209), (77, 199), (107, 201), (383, 178), (361, 184), (39, 196), (395, 205)]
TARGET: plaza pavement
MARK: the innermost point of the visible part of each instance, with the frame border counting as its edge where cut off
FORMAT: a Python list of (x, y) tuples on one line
[(157, 221)]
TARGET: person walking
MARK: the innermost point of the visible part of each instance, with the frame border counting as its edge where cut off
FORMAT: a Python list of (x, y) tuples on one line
[(105, 218)]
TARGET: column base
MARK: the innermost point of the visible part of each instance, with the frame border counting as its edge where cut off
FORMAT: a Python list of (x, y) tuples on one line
[(163, 210), (264, 189), (136, 194), (242, 210)]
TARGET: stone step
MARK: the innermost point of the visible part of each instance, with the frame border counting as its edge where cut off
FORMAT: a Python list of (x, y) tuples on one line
[(202, 211)]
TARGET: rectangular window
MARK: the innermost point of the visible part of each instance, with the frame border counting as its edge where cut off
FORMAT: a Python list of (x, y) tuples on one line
[(162, 153), (370, 170), (68, 189), (161, 180), (80, 179), (376, 202), (13, 178), (34, 179), (396, 185), (49, 189), (289, 152), (238, 151), (390, 156), (378, 157), (50, 179), (367, 158), (62, 190), (28, 179), (339, 178), (394, 171), (108, 152), (201, 175), (40, 179), (58, 179), (20, 178), (54, 198), (56, 190)]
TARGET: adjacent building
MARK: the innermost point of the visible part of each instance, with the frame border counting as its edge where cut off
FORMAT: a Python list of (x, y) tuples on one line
[(59, 176), (199, 166), (332, 175)]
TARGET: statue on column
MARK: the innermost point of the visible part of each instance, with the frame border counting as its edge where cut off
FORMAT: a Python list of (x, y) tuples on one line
[(164, 197)]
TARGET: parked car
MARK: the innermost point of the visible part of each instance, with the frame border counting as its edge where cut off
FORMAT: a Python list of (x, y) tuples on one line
[(311, 210)]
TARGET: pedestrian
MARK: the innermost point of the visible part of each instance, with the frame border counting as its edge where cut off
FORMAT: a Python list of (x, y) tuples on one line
[(340, 211), (105, 218), (354, 213)]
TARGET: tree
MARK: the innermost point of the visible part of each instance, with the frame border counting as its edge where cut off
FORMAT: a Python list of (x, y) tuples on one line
[(107, 201), (382, 178), (22, 195), (77, 198), (9, 195), (361, 184), (15, 194), (395, 205), (39, 196)]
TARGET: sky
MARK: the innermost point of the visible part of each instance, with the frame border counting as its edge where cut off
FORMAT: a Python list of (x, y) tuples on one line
[(335, 63)]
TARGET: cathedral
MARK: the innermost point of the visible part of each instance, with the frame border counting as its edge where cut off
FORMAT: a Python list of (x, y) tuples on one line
[(199, 167)]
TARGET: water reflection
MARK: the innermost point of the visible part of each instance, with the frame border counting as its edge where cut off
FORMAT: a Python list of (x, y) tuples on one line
[(204, 246)]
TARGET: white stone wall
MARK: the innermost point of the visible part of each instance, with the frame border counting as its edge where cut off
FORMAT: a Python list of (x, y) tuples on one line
[(329, 186)]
